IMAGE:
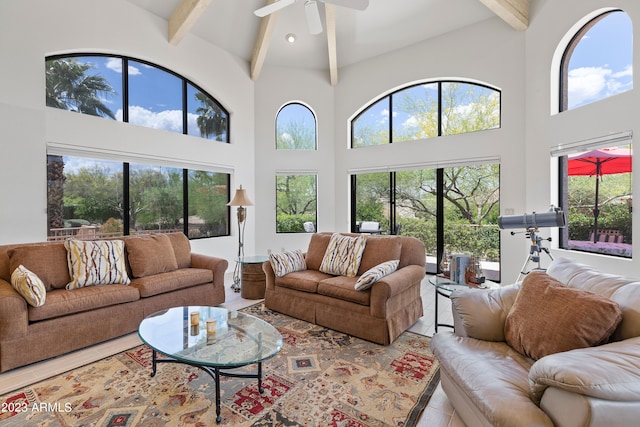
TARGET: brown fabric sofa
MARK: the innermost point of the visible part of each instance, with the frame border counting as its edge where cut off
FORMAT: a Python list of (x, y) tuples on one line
[(379, 314), (72, 319)]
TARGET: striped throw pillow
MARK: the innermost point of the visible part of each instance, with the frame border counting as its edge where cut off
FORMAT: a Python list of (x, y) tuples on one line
[(99, 262), (343, 255), (29, 285), (287, 262), (376, 273)]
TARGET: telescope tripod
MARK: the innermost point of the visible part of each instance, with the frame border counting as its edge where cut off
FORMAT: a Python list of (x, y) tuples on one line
[(534, 251)]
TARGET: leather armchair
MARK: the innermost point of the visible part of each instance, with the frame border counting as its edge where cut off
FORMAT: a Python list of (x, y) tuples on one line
[(490, 384)]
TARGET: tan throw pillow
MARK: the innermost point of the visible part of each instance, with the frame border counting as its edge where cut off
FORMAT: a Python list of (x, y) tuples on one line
[(287, 262), (343, 255), (48, 261), (96, 262), (151, 254), (29, 285), (549, 317), (376, 273), (181, 248)]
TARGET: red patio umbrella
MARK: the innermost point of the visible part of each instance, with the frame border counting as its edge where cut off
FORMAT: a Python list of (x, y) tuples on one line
[(603, 161)]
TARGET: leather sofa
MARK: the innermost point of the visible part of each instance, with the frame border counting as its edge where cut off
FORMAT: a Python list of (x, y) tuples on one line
[(378, 314), (491, 384), (168, 275)]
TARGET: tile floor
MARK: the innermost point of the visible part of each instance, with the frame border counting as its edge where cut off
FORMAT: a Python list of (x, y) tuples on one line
[(439, 412)]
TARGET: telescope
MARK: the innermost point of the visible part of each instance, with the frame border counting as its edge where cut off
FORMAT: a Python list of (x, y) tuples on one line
[(555, 217)]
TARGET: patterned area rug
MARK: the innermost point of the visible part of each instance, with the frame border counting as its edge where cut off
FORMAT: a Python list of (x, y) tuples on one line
[(320, 378)]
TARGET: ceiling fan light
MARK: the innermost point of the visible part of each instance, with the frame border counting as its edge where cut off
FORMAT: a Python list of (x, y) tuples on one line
[(290, 37)]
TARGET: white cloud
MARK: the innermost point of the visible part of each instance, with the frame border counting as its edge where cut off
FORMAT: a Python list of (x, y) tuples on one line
[(115, 64), (587, 84), (627, 72), (170, 120)]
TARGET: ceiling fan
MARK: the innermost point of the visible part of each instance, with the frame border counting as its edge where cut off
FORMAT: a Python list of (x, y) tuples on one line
[(311, 10)]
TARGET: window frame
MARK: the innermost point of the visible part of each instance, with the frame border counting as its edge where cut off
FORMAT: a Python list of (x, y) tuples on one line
[(125, 88), (315, 126), (439, 83)]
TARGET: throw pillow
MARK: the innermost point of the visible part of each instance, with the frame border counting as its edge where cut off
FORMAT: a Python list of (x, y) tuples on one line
[(99, 262), (343, 255), (151, 254), (376, 273), (48, 261), (287, 262), (29, 285), (548, 317)]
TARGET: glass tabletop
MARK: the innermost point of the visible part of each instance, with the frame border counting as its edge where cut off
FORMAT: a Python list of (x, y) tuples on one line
[(239, 339), (446, 284), (257, 259)]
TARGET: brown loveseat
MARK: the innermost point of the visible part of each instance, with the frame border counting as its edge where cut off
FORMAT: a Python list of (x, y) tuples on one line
[(164, 275), (379, 314)]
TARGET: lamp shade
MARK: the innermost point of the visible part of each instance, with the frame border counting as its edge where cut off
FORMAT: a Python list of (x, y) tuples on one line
[(240, 198)]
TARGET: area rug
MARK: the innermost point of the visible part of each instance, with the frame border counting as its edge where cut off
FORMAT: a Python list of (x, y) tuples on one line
[(320, 378)]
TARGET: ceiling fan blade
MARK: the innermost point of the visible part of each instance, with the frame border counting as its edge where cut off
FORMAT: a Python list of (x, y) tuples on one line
[(273, 7), (313, 17), (353, 4)]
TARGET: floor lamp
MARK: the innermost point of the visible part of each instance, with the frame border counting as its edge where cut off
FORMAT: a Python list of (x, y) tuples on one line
[(240, 199)]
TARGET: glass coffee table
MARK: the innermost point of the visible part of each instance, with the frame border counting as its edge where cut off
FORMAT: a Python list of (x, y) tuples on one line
[(180, 334)]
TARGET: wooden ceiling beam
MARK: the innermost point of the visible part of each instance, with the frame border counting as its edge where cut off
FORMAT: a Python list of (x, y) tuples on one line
[(513, 12), (330, 19), (183, 18), (267, 24)]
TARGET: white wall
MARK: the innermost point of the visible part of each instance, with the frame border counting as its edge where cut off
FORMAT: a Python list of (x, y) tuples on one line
[(29, 31)]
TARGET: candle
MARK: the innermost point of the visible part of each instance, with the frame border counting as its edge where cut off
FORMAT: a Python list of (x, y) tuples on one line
[(195, 318), (211, 326)]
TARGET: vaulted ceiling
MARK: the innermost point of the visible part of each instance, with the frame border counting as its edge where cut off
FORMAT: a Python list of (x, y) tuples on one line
[(349, 35)]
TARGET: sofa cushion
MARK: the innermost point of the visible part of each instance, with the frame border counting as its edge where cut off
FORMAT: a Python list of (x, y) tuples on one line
[(374, 274), (548, 317), (166, 282), (181, 249), (317, 247), (305, 280), (343, 255), (378, 250), (62, 302), (343, 288), (99, 262), (47, 261), (151, 254), (287, 262), (29, 285)]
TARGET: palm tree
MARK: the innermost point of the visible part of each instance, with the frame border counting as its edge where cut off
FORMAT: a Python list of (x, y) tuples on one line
[(69, 87), (211, 119)]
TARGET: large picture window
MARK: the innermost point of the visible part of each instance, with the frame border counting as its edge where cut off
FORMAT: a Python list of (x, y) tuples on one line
[(427, 110), (89, 198), (133, 91), (451, 210)]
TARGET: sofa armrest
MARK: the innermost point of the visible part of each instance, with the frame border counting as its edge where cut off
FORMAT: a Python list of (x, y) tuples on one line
[(270, 276), (217, 265), (394, 284), (14, 317), (610, 371), (480, 313)]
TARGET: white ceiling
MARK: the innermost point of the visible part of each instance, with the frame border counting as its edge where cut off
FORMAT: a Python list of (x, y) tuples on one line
[(386, 25)]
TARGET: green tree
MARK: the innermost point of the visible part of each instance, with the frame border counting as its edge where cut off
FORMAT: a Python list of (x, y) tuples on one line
[(296, 135), (70, 87), (211, 119), (295, 202)]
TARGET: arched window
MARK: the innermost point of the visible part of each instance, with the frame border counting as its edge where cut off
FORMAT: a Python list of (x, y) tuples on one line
[(427, 110), (296, 128), (598, 61), (133, 91)]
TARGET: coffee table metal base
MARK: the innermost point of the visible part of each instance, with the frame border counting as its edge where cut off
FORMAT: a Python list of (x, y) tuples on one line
[(214, 372)]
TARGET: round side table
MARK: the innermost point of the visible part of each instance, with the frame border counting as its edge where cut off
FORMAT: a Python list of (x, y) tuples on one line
[(252, 279)]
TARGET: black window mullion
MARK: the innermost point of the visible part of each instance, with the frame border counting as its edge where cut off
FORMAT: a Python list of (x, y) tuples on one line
[(439, 217), (185, 122), (392, 203), (185, 201), (126, 221), (439, 108), (125, 90), (390, 120)]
